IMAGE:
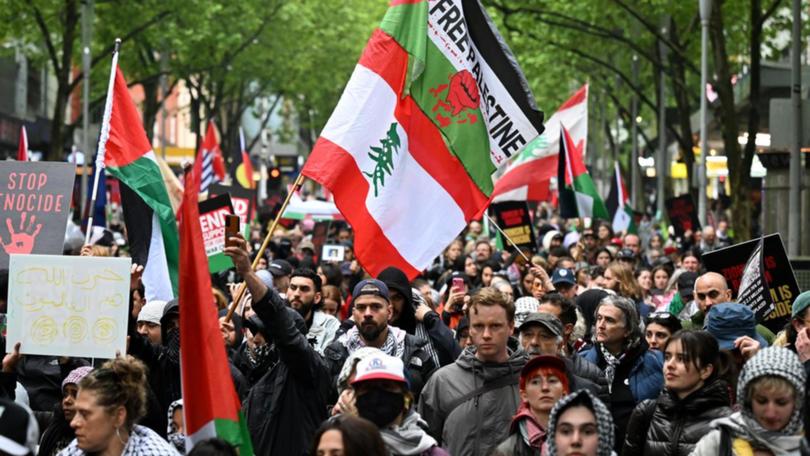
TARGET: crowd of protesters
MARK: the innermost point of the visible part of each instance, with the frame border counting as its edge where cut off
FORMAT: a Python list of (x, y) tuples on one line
[(591, 343)]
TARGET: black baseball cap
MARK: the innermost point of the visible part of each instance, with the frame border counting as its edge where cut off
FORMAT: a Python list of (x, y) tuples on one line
[(280, 268), (371, 287)]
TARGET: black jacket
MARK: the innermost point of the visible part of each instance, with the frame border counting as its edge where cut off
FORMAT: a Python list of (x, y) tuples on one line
[(674, 426), (591, 375), (286, 406), (418, 364)]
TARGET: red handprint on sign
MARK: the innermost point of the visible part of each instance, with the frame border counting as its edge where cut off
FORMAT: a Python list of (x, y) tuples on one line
[(21, 241)]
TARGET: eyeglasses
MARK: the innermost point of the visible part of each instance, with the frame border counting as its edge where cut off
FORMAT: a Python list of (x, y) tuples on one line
[(711, 294)]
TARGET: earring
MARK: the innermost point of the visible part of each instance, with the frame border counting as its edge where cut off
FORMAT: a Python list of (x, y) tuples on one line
[(118, 434)]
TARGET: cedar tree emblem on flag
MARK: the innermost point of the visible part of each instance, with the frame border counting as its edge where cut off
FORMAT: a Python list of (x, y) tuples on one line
[(383, 156)]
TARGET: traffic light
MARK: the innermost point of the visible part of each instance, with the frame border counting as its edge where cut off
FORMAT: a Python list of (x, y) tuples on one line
[(274, 184)]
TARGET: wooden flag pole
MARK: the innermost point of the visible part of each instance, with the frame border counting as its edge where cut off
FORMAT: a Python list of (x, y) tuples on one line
[(528, 261), (242, 286)]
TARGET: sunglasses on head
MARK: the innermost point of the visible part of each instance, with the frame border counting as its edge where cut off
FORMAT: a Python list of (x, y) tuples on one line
[(659, 315), (711, 294)]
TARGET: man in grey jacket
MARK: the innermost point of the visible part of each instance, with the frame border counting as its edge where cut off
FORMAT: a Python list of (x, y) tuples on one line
[(470, 403)]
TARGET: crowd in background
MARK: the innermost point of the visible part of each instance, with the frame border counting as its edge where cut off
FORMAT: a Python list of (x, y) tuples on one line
[(591, 342)]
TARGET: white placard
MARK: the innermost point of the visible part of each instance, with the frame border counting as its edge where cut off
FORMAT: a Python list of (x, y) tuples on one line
[(333, 253), (68, 305)]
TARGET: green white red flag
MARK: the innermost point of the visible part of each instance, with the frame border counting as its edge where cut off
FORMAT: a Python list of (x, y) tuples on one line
[(529, 174), (125, 151), (578, 197), (210, 404), (435, 103), (618, 204)]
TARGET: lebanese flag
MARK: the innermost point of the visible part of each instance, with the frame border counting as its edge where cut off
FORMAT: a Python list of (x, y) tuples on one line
[(577, 192), (211, 405), (618, 204), (528, 176), (411, 146), (127, 155), (22, 147)]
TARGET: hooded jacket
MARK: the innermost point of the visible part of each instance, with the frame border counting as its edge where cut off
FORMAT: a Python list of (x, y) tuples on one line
[(441, 341), (674, 426), (409, 438), (742, 429), (480, 422), (603, 418), (286, 406)]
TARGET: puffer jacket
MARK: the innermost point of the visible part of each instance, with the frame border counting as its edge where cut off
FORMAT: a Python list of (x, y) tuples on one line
[(478, 424), (674, 426)]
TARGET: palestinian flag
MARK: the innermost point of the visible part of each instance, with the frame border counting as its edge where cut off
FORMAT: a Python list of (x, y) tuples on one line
[(22, 146), (127, 155), (529, 174), (618, 205), (210, 405), (435, 103), (578, 197)]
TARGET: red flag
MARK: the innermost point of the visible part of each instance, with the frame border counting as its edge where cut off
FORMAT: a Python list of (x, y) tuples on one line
[(211, 406), (22, 148)]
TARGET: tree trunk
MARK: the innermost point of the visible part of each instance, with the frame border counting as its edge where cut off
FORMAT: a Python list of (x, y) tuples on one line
[(63, 83), (678, 76), (151, 106), (753, 99), (727, 116)]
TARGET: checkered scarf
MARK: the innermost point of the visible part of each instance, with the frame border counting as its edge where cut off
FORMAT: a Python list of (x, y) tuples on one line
[(394, 344), (612, 363), (773, 362), (142, 442), (604, 421)]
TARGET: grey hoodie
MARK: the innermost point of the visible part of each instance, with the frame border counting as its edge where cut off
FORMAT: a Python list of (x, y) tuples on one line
[(479, 424)]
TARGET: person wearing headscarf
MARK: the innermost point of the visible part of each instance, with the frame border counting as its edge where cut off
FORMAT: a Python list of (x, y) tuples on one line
[(176, 429), (580, 424), (771, 390), (59, 434)]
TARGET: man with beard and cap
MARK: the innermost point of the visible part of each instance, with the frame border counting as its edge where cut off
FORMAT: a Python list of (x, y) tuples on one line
[(470, 403), (286, 406), (149, 320), (371, 311), (541, 333), (410, 313), (304, 295)]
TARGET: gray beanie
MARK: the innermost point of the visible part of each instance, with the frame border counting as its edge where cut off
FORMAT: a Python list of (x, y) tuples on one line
[(774, 362), (604, 420)]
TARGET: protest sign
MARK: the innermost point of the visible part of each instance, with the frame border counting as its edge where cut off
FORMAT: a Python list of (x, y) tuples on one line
[(513, 218), (333, 253), (753, 290), (34, 207), (68, 305), (682, 214), (241, 199), (777, 271), (212, 222)]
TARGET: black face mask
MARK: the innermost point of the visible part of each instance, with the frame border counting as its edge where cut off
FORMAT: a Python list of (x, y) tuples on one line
[(380, 407)]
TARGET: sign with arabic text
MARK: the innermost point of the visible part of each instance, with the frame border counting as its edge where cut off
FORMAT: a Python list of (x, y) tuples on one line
[(68, 305)]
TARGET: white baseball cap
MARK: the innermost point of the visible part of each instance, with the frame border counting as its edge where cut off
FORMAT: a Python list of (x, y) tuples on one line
[(380, 367)]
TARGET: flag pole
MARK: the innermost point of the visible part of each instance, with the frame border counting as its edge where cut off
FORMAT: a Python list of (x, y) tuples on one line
[(241, 291), (102, 139), (508, 239)]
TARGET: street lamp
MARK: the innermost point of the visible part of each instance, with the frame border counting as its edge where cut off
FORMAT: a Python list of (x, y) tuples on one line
[(705, 15)]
